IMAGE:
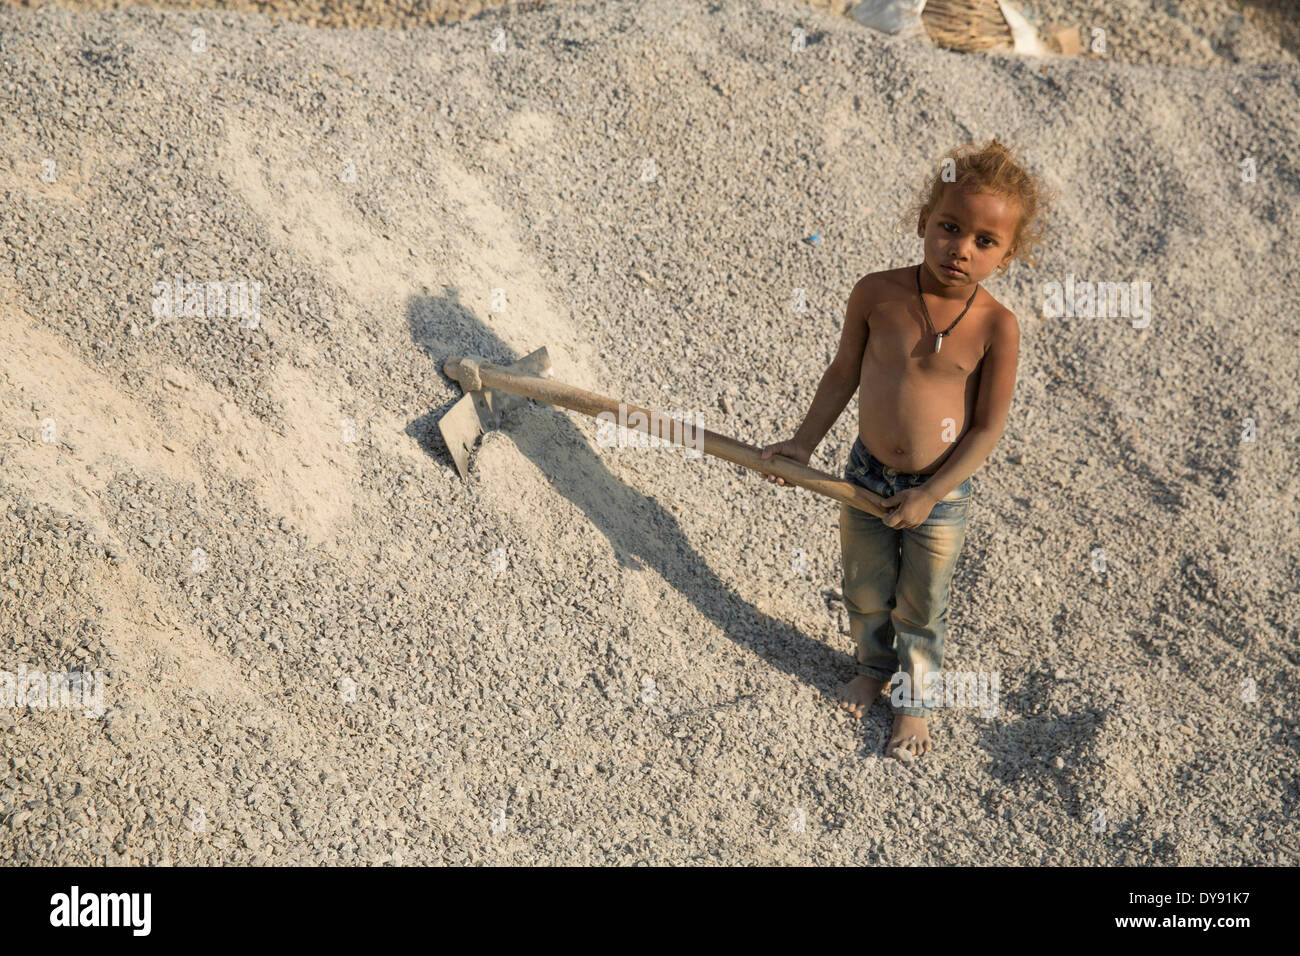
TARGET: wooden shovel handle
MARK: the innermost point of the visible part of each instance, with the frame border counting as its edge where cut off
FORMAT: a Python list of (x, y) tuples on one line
[(720, 446)]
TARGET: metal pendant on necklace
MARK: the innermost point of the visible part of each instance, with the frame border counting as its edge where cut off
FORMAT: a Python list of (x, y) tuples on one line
[(929, 323)]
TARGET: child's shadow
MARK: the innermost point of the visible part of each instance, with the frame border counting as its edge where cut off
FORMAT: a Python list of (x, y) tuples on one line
[(637, 527)]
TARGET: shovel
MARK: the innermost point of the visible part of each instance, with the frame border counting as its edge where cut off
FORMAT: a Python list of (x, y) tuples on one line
[(492, 389)]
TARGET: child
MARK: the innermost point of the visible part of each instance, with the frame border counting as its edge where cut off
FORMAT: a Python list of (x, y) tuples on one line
[(935, 356)]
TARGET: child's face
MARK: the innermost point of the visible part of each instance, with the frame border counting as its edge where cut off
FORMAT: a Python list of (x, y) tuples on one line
[(971, 232)]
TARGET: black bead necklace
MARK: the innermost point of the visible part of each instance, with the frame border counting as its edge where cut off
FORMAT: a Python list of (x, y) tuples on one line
[(938, 341)]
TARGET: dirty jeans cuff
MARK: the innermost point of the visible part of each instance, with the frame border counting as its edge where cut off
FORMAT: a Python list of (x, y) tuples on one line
[(910, 711), (874, 672)]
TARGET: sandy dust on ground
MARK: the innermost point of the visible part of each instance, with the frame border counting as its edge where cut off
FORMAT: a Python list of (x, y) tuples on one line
[(1132, 31)]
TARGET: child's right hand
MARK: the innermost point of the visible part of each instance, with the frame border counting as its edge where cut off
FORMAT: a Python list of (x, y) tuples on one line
[(788, 449)]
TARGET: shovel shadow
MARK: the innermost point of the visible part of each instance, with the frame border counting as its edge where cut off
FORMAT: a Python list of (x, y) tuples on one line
[(639, 529)]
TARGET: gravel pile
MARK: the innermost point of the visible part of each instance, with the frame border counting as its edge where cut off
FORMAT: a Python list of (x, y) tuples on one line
[(354, 14), (318, 644), (1130, 31)]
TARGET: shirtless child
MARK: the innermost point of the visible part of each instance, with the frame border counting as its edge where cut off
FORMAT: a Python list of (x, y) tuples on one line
[(935, 356)]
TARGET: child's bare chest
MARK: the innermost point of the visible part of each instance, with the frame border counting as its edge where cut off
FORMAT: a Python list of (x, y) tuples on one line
[(898, 340)]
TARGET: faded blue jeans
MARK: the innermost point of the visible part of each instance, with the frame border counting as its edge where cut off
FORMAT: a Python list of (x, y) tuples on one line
[(897, 581)]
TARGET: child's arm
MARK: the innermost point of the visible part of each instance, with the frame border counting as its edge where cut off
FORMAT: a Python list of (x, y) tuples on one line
[(997, 382), (837, 385)]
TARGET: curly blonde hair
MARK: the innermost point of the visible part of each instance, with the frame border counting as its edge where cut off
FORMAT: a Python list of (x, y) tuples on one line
[(991, 168)]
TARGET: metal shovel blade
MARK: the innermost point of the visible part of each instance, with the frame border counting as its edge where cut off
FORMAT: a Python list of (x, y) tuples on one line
[(479, 411), (460, 428)]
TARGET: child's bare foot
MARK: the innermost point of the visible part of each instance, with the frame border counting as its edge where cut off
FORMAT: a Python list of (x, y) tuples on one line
[(910, 738), (857, 695)]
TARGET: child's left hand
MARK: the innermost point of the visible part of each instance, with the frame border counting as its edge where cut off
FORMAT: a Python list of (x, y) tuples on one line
[(909, 508)]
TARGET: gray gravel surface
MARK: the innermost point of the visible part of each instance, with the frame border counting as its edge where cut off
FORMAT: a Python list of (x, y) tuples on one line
[(1182, 32), (596, 655)]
